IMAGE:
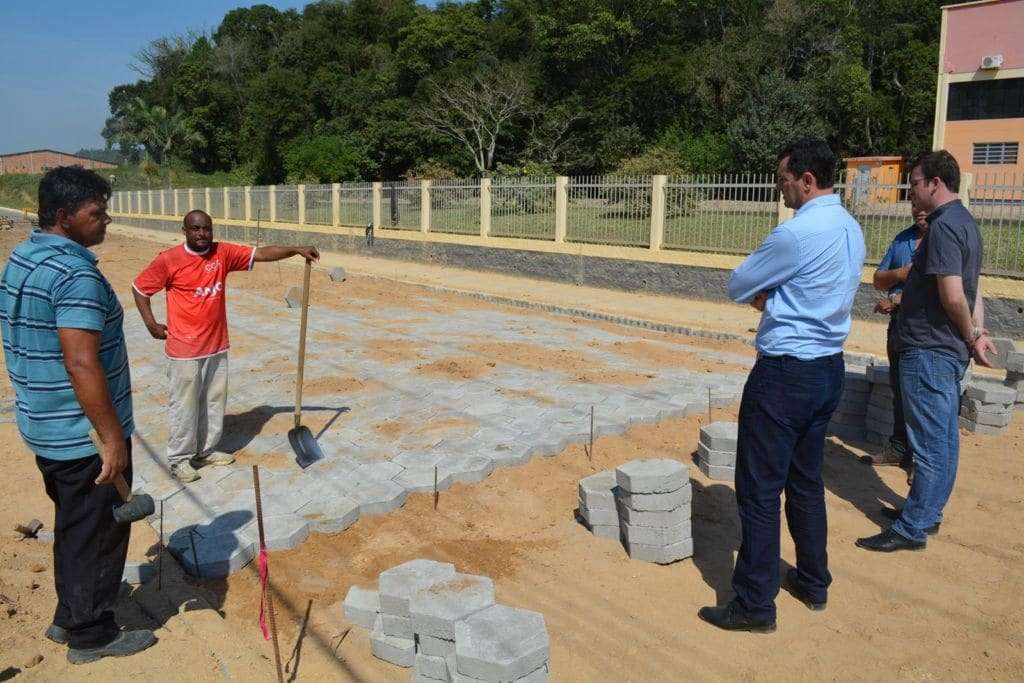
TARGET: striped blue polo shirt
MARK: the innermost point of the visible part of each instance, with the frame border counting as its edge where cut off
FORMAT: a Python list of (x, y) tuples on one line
[(51, 282)]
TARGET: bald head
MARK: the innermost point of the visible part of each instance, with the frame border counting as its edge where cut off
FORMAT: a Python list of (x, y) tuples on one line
[(198, 229)]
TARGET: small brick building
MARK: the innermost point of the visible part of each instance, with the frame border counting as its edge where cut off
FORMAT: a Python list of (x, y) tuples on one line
[(42, 160)]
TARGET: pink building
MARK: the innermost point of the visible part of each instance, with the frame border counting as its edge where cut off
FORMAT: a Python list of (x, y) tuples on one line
[(42, 160)]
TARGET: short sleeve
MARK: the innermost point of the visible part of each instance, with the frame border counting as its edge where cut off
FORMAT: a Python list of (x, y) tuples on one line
[(153, 278), (890, 254), (237, 257), (80, 301), (943, 254)]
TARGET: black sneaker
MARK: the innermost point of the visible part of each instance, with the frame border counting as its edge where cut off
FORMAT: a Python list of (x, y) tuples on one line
[(798, 592), (126, 643), (729, 619), (57, 634)]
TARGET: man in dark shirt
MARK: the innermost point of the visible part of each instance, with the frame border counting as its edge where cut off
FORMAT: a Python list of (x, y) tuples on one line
[(940, 327), (891, 274)]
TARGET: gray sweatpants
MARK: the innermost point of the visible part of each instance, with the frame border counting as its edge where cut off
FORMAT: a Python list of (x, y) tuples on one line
[(198, 397)]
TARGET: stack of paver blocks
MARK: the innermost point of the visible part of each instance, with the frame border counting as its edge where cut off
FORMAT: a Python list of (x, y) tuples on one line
[(716, 450), (653, 501), (851, 414), (879, 418), (987, 408), (597, 504), (1015, 374), (447, 627)]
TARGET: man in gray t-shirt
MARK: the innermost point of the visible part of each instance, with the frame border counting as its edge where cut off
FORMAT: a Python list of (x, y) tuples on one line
[(940, 328)]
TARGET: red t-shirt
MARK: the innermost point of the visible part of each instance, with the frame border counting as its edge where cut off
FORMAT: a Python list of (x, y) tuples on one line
[(197, 318)]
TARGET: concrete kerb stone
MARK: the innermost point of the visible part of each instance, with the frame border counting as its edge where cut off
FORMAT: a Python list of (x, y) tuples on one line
[(641, 518), (599, 517), (397, 651), (652, 476), (718, 472), (398, 584), (726, 458), (361, 606), (656, 536), (661, 554), (501, 643), (436, 609), (597, 492), (991, 393), (720, 436), (657, 502)]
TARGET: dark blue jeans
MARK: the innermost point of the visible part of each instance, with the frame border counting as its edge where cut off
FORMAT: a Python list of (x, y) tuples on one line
[(784, 413), (931, 405)]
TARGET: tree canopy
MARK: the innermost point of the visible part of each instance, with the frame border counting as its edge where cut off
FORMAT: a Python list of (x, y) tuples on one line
[(361, 89)]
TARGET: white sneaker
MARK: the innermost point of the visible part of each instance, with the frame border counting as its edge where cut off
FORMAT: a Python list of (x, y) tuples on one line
[(184, 472), (215, 458)]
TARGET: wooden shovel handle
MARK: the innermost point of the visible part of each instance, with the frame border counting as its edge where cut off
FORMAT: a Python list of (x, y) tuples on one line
[(302, 343)]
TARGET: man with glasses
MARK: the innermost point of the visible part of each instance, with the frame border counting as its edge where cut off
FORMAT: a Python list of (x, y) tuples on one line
[(940, 327), (804, 278)]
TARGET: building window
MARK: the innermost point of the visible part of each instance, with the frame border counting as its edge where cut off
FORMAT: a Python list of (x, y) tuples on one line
[(995, 153), (995, 99)]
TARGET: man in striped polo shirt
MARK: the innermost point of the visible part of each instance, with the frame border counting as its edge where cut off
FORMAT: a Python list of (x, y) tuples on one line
[(66, 359)]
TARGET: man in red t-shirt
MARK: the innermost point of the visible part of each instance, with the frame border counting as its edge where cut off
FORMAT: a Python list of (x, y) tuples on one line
[(194, 275)]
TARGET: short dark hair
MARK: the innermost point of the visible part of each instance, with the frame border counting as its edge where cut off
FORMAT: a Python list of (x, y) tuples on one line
[(68, 187), (939, 164), (814, 155)]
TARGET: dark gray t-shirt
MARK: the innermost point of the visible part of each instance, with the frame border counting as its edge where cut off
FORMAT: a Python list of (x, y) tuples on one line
[(952, 246)]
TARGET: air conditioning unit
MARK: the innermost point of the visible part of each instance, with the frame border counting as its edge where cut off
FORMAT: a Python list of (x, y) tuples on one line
[(991, 61)]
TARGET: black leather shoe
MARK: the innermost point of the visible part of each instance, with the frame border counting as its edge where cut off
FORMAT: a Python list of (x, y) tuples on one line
[(888, 542), (793, 582), (729, 619), (894, 514)]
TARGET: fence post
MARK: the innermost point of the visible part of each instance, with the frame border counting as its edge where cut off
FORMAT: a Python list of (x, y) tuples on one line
[(163, 204), (561, 208), (174, 201), (272, 200), (485, 207), (784, 213), (658, 183), (191, 199), (301, 192), (149, 202), (966, 189), (378, 199), (335, 204), (206, 195), (129, 207), (248, 202), (227, 204), (425, 205)]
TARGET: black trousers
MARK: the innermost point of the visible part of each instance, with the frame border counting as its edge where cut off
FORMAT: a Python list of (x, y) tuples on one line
[(898, 440), (89, 548), (784, 413)]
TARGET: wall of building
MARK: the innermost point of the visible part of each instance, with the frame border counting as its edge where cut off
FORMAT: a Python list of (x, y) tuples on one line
[(981, 29), (43, 160), (960, 137)]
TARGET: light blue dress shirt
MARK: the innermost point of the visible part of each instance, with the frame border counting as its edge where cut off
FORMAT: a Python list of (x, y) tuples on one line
[(810, 266)]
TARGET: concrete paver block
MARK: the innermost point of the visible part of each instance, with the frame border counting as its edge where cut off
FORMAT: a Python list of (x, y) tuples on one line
[(468, 469), (431, 667), (436, 609), (878, 374), (501, 644), (846, 419), (877, 414), (377, 497), (421, 479), (435, 647), (655, 475), (397, 651), (876, 438), (720, 436), (361, 606), (136, 573), (1015, 362), (611, 531), (597, 492), (293, 297), (336, 274), (661, 554), (846, 431), (341, 513), (599, 517), (217, 555), (974, 406), (727, 458), (856, 380), (280, 532), (655, 519), (653, 535), (1004, 348), (398, 584), (972, 426), (991, 419), (400, 627), (657, 501), (717, 472), (991, 393)]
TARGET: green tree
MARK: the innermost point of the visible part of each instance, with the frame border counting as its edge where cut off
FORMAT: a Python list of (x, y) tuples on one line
[(325, 159)]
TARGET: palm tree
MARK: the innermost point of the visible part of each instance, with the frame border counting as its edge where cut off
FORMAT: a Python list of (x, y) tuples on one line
[(161, 131)]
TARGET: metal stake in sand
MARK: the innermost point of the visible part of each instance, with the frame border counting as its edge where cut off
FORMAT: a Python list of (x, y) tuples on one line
[(590, 453), (709, 405), (160, 552), (435, 487), (269, 593)]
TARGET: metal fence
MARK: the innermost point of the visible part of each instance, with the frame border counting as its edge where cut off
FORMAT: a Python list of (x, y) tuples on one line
[(729, 214)]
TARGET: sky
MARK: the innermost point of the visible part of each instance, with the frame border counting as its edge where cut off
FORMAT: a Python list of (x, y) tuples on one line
[(59, 60)]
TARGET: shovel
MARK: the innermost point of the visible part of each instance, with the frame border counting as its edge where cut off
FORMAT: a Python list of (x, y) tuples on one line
[(307, 450)]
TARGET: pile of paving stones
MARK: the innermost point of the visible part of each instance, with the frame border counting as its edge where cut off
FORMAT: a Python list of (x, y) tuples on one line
[(987, 408), (1015, 374), (851, 414), (643, 503), (446, 626), (879, 418), (716, 450)]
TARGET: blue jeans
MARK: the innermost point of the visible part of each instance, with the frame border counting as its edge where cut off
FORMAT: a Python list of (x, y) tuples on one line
[(784, 413), (930, 383)]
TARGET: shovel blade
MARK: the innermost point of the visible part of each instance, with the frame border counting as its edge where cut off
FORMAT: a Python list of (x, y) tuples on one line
[(307, 450)]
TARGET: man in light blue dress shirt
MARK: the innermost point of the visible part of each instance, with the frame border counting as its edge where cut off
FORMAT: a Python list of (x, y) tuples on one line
[(804, 278)]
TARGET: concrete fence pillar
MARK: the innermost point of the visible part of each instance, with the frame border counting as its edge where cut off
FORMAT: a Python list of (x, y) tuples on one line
[(163, 204), (149, 202), (425, 205), (335, 204), (378, 204), (272, 201), (174, 202), (206, 198), (227, 204), (966, 189), (247, 193), (128, 207), (658, 183), (301, 192), (485, 207), (561, 208)]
